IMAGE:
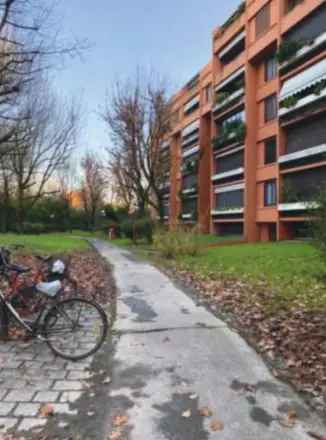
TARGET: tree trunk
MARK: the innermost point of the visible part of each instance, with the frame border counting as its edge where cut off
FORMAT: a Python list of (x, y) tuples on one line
[(20, 211)]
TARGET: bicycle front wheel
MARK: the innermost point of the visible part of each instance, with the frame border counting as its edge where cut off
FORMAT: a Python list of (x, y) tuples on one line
[(75, 328)]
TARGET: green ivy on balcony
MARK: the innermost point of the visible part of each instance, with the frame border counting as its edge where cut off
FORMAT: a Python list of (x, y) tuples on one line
[(231, 133), (190, 166), (289, 49), (292, 101)]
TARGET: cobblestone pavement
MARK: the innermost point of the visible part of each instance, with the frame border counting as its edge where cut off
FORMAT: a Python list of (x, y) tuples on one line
[(30, 377)]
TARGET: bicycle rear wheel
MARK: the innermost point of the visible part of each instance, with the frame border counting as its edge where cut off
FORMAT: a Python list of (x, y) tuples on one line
[(75, 328)]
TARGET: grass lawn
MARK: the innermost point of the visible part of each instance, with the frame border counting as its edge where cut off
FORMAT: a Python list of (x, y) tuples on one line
[(293, 270), (45, 243)]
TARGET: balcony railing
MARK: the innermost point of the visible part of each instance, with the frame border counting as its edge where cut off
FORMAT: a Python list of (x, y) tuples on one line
[(234, 17), (226, 99), (231, 133), (304, 40), (227, 174), (227, 211), (319, 150), (191, 105), (304, 89)]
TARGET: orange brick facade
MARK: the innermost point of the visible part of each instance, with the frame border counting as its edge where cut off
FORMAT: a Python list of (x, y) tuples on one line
[(248, 137)]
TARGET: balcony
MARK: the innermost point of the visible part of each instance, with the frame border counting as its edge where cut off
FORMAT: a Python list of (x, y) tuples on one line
[(303, 155), (191, 105), (231, 133), (301, 190), (233, 173), (189, 210), (305, 40), (233, 49), (190, 128), (189, 185), (228, 99), (234, 17), (303, 91), (229, 200), (229, 166), (305, 142)]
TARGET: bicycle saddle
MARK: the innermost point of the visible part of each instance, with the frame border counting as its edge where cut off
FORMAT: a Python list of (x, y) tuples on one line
[(43, 259)]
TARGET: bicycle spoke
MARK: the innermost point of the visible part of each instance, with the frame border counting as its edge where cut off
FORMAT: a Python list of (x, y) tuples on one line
[(75, 328)]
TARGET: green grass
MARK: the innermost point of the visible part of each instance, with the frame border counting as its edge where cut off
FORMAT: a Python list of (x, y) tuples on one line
[(211, 239), (45, 243), (292, 270)]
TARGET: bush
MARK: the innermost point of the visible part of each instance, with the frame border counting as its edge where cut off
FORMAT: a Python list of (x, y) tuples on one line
[(144, 229), (172, 244), (138, 228), (35, 228), (318, 223), (127, 228)]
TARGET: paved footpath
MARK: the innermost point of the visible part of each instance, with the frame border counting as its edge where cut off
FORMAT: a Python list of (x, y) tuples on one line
[(172, 358), (167, 358)]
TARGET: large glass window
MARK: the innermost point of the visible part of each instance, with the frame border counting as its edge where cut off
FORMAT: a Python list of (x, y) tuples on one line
[(263, 20), (270, 153), (291, 4), (270, 196), (271, 68), (271, 108)]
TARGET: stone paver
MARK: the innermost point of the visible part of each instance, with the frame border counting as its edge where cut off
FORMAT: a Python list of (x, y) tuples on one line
[(30, 376)]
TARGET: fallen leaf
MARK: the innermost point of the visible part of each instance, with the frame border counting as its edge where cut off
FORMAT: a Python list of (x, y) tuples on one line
[(186, 414), (216, 425), (120, 421), (47, 410), (115, 435), (205, 412)]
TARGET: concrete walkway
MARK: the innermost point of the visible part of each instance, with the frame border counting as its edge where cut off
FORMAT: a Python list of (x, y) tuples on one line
[(173, 357)]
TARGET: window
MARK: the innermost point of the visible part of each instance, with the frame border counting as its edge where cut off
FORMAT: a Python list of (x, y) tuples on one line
[(208, 91), (291, 4), (263, 20), (271, 108), (270, 146), (270, 196), (271, 68)]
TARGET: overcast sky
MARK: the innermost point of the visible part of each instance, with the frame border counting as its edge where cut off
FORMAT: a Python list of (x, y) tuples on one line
[(171, 37)]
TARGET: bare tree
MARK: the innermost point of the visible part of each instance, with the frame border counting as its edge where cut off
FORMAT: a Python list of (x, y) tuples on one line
[(93, 186), (6, 194), (42, 144), (29, 43), (138, 116)]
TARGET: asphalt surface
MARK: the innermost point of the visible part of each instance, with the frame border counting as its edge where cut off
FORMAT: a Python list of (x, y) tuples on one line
[(170, 358)]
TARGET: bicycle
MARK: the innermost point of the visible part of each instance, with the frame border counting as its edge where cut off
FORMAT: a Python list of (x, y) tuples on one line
[(73, 328)]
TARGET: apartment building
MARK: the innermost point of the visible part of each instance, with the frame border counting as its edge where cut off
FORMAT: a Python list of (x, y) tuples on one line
[(248, 138)]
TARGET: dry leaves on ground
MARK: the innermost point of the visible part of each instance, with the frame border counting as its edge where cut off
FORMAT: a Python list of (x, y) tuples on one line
[(47, 410), (294, 340), (216, 425), (205, 412)]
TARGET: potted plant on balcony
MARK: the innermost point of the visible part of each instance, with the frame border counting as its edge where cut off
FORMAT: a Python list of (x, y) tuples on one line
[(288, 50), (232, 132)]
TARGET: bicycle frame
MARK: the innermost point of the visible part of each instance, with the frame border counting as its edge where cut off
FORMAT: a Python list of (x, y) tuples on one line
[(13, 312)]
